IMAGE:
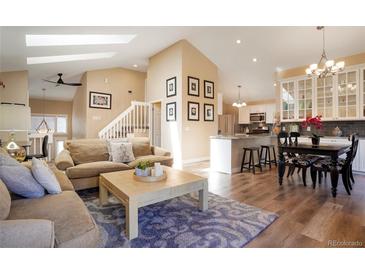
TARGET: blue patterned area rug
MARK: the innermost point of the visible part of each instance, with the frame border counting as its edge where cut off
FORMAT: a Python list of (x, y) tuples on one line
[(179, 223)]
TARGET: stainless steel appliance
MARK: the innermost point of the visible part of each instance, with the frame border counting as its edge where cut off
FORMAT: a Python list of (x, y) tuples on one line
[(258, 117)]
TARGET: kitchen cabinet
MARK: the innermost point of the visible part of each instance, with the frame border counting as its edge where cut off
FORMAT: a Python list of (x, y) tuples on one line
[(244, 115), (288, 95), (269, 109), (325, 98), (337, 97)]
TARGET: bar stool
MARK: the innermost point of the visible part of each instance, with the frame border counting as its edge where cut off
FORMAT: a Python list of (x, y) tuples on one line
[(267, 159), (251, 161)]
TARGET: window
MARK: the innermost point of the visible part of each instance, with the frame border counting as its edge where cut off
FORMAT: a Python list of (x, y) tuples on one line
[(57, 123)]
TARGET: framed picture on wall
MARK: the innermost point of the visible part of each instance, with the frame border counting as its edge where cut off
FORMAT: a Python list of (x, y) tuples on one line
[(193, 86), (208, 89), (171, 112), (193, 111), (171, 87), (100, 100), (209, 112)]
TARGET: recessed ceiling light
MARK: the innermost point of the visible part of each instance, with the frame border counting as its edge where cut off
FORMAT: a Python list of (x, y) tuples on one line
[(254, 60), (35, 40), (238, 41), (135, 66), (274, 84), (68, 58)]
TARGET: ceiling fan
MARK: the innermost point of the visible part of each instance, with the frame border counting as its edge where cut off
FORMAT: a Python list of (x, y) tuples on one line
[(60, 82)]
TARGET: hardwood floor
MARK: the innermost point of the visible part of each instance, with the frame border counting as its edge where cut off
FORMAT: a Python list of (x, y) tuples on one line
[(307, 217)]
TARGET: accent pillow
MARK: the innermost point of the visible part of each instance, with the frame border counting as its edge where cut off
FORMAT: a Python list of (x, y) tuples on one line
[(45, 177), (18, 179), (114, 141), (5, 201), (122, 152)]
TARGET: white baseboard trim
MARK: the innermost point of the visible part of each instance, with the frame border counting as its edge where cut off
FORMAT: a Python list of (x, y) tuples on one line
[(195, 160)]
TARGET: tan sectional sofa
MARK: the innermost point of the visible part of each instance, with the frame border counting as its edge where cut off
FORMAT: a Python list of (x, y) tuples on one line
[(60, 220), (84, 160)]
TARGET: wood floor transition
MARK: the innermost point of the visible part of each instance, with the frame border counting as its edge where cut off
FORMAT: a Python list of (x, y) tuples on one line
[(308, 218)]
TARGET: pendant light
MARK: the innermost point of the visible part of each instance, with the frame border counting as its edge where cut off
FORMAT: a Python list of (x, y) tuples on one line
[(239, 103), (325, 66), (43, 127)]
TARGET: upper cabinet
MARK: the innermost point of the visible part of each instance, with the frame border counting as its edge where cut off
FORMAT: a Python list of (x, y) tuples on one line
[(288, 101), (325, 98), (244, 115), (347, 95), (305, 98), (337, 97)]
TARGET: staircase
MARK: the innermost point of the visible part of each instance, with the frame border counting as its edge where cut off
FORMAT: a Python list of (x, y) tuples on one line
[(135, 120)]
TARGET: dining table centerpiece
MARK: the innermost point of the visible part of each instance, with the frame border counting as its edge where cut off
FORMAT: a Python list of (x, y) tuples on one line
[(314, 125)]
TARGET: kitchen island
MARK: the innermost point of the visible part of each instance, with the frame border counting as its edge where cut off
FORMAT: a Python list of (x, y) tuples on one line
[(226, 151)]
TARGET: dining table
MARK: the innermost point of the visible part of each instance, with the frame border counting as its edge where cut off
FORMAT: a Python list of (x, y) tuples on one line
[(329, 150)]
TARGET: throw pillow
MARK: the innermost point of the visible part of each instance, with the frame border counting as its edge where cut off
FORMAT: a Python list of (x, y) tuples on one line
[(122, 152), (18, 179), (45, 177), (114, 141)]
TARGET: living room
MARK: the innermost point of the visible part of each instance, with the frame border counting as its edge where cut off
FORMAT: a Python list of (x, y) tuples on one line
[(182, 137)]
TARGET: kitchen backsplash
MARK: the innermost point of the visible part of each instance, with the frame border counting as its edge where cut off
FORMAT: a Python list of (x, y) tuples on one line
[(240, 128), (347, 127)]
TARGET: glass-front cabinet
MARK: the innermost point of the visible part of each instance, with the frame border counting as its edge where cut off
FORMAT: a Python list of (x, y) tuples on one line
[(325, 98), (347, 94), (305, 98), (288, 101), (362, 94)]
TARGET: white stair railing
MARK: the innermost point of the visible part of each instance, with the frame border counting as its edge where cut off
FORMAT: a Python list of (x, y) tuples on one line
[(135, 119)]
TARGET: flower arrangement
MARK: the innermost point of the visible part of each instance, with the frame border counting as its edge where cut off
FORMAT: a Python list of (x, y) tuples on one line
[(143, 168), (315, 123)]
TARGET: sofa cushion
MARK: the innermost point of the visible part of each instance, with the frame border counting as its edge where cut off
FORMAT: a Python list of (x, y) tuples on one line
[(88, 152), (94, 169), (27, 233), (68, 212), (62, 179), (5, 201), (45, 177), (164, 160), (18, 179), (141, 146)]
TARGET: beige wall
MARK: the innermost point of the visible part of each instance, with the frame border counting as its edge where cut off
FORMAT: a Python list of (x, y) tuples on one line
[(118, 82), (79, 105), (162, 66), (15, 91), (195, 134), (187, 140), (53, 107), (16, 87)]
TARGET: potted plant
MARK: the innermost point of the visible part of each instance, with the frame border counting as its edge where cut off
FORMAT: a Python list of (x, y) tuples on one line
[(313, 124), (143, 168)]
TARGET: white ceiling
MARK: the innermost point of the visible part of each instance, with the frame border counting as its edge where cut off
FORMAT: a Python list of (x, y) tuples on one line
[(274, 48)]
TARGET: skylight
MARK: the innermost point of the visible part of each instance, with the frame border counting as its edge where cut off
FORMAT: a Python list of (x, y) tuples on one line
[(69, 58), (36, 40)]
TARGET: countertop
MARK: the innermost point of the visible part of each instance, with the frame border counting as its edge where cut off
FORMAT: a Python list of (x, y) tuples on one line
[(243, 136)]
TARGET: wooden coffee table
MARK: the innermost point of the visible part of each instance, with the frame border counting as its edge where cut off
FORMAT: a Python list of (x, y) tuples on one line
[(134, 194)]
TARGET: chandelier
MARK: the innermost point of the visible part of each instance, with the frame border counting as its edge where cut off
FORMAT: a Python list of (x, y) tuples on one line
[(239, 103), (43, 127), (324, 67)]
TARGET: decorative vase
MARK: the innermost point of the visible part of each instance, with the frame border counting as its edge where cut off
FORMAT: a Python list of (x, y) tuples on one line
[(142, 172), (14, 150), (316, 140)]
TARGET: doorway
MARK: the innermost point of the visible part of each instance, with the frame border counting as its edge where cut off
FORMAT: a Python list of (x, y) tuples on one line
[(156, 123)]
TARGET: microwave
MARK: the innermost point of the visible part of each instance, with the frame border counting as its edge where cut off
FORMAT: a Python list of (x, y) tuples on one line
[(258, 117)]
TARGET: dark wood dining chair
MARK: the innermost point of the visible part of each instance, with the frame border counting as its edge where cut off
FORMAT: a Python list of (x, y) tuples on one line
[(344, 165), (44, 153)]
